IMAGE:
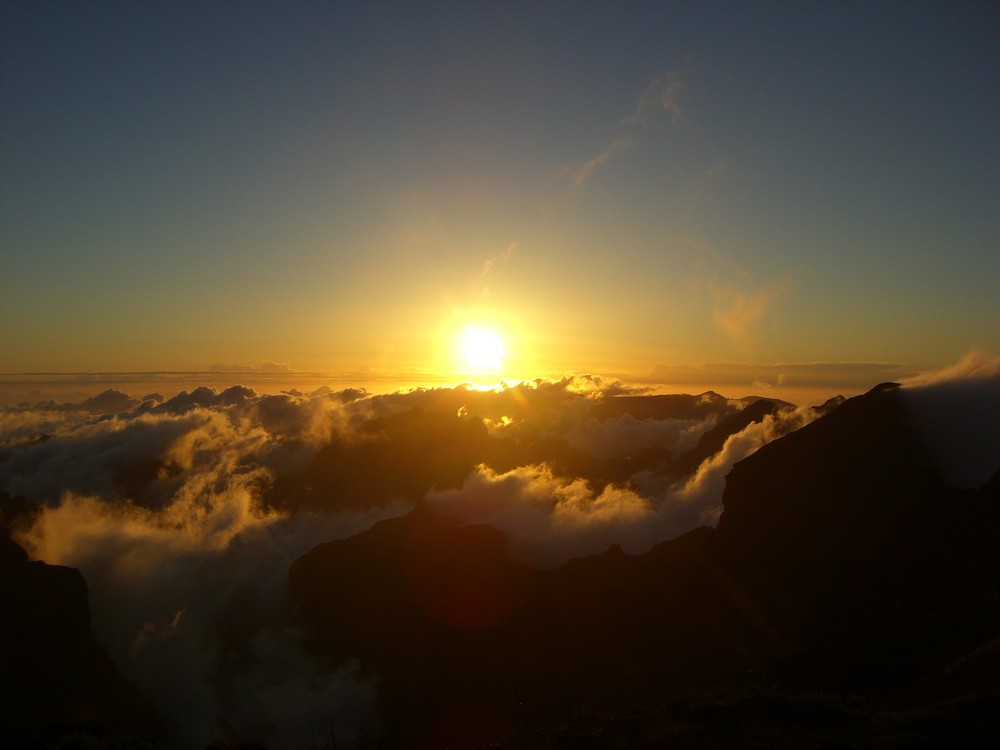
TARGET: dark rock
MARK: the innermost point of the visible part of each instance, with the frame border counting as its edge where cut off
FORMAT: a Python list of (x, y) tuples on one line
[(843, 565), (829, 405), (111, 401), (55, 678)]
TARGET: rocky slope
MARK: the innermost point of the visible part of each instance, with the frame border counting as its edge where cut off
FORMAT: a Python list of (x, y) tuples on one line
[(843, 563), (55, 678)]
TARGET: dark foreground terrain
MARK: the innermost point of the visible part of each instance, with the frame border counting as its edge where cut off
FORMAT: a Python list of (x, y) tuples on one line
[(848, 598)]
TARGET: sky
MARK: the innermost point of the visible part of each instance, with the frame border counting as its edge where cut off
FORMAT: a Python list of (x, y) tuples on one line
[(630, 188)]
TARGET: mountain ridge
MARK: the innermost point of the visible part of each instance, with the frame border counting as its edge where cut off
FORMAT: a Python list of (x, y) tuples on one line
[(774, 588)]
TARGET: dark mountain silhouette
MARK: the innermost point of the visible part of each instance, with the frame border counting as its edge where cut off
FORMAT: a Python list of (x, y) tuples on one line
[(398, 456), (456, 631), (538, 402), (110, 401), (55, 678), (829, 405), (845, 533), (848, 596), (669, 406)]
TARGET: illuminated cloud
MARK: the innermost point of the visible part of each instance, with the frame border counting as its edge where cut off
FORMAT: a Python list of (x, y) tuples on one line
[(597, 386), (739, 306), (704, 488), (549, 519), (163, 586), (161, 510), (973, 365)]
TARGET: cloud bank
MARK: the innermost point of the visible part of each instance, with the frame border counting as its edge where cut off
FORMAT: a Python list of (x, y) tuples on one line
[(166, 507), (550, 519), (160, 508)]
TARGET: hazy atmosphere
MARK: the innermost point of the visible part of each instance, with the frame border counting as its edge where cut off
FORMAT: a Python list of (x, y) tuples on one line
[(345, 188)]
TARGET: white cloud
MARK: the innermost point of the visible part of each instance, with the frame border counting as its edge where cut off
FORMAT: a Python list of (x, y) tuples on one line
[(704, 488), (549, 519), (161, 510), (975, 364)]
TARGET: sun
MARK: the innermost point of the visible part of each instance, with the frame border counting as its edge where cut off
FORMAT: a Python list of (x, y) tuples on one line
[(480, 350)]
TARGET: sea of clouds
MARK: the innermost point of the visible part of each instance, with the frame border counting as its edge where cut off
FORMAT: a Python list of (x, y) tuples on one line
[(161, 503)]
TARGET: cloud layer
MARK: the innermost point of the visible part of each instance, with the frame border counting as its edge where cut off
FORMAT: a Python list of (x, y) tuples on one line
[(160, 507), (550, 519), (168, 507)]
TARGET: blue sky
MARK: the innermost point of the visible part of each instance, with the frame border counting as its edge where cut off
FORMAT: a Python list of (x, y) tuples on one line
[(611, 187)]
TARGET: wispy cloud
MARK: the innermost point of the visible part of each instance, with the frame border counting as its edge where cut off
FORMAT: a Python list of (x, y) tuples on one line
[(662, 95), (739, 306), (660, 100), (580, 175), (492, 266), (975, 364)]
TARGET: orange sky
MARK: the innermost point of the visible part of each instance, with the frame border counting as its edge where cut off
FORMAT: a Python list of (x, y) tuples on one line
[(620, 191)]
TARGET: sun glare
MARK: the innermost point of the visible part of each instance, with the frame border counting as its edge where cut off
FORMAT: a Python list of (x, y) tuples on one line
[(480, 350)]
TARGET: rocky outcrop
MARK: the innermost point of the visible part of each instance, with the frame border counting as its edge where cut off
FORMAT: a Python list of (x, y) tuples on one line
[(843, 563), (55, 678), (453, 627), (845, 536)]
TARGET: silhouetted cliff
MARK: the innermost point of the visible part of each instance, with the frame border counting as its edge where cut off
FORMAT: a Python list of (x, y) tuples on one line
[(55, 678), (842, 563)]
